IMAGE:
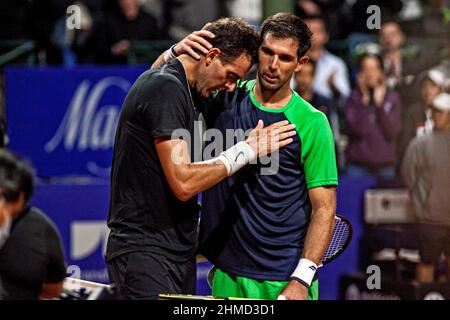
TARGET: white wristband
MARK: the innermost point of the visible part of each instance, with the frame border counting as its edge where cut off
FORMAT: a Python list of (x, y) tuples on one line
[(237, 157), (169, 54), (305, 272)]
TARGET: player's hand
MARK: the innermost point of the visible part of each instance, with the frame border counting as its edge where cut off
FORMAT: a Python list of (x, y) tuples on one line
[(294, 290), (195, 41), (265, 140)]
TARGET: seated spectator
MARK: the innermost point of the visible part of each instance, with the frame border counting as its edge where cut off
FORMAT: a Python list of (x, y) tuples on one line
[(373, 117), (31, 258), (331, 79), (417, 119), (426, 171), (113, 34)]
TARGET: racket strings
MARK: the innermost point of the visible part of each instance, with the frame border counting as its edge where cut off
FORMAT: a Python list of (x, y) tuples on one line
[(338, 240)]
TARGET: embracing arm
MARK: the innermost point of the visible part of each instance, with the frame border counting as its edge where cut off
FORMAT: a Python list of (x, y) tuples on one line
[(186, 179), (192, 44)]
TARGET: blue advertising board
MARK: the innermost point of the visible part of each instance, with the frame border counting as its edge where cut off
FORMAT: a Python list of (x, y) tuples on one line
[(80, 211), (64, 119)]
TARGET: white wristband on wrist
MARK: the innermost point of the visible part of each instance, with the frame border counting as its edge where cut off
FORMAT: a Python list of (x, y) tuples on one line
[(169, 55), (305, 272), (237, 157)]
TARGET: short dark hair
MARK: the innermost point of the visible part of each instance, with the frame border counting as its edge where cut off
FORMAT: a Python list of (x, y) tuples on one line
[(233, 36), (371, 55), (288, 25), (16, 176)]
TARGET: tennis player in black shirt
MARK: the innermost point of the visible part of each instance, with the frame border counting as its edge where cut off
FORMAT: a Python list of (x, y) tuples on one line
[(153, 213)]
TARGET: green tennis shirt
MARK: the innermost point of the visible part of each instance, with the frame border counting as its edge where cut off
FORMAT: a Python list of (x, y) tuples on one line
[(255, 222)]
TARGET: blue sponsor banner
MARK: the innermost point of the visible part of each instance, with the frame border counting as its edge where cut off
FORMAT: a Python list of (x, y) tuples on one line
[(64, 119), (80, 211)]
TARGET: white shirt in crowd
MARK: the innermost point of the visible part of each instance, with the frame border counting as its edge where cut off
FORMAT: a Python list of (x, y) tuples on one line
[(328, 64)]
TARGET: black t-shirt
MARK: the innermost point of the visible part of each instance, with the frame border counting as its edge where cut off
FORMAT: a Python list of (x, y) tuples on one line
[(32, 256), (144, 214)]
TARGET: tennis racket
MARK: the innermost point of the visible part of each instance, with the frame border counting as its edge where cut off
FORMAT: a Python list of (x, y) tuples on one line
[(342, 235)]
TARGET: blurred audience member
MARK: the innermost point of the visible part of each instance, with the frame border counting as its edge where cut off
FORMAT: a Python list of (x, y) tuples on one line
[(305, 8), (403, 62), (31, 257), (331, 79), (436, 22), (33, 20), (304, 80), (426, 171), (184, 16), (331, 10), (249, 10), (417, 119), (123, 23), (373, 118), (5, 228), (392, 39), (155, 8)]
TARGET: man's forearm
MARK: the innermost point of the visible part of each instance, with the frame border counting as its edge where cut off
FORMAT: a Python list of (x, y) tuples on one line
[(319, 234), (194, 178), (186, 179)]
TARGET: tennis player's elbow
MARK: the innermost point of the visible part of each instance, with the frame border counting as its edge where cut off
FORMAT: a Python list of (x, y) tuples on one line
[(184, 191)]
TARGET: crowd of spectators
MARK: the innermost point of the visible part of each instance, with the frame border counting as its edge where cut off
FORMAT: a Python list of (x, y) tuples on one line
[(395, 71)]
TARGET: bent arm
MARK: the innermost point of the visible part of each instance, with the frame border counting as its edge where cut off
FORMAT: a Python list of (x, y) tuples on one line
[(193, 44), (186, 179)]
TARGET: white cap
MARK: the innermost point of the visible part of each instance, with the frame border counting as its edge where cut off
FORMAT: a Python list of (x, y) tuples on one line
[(442, 102), (437, 76)]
